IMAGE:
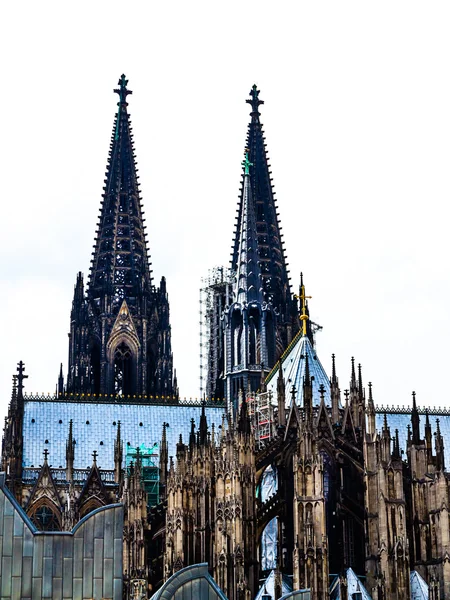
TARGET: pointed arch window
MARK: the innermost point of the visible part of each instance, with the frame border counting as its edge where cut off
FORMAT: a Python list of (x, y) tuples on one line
[(123, 370), (45, 518), (92, 504)]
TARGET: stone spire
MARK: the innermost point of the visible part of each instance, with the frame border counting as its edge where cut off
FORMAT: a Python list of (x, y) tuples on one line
[(120, 265), (248, 276), (270, 250), (120, 334)]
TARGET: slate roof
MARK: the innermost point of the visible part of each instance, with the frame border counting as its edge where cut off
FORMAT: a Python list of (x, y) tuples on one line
[(400, 419), (268, 587), (94, 423), (353, 585), (419, 589), (293, 367)]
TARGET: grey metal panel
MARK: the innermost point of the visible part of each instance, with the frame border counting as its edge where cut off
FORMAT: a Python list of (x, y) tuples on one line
[(17, 557), (77, 589), (38, 553), (53, 565), (88, 571), (16, 588), (48, 545), (58, 542), (27, 570), (78, 557), (8, 525), (57, 588), (99, 524), (98, 557), (36, 591), (47, 579), (8, 509), (180, 585), (108, 578), (88, 531), (28, 542), (67, 577), (68, 546), (118, 523), (118, 583), (2, 508), (18, 524), (98, 589), (5, 589), (195, 589), (108, 548), (118, 554)]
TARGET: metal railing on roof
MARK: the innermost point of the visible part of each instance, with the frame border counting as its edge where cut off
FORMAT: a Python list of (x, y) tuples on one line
[(406, 410), (159, 400)]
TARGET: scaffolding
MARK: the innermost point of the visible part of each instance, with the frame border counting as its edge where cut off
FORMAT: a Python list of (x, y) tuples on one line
[(215, 294), (261, 412), (149, 459)]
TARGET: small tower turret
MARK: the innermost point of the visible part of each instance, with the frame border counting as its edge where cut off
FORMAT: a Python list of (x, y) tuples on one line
[(70, 453)]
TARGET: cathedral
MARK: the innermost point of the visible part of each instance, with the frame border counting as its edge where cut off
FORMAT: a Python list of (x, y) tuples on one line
[(281, 482)]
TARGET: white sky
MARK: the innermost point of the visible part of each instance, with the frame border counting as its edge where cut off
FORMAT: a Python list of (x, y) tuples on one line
[(357, 122)]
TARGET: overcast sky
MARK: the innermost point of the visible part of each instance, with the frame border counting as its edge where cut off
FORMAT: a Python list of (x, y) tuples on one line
[(356, 116)]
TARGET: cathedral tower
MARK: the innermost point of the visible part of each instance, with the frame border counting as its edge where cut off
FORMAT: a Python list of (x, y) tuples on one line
[(260, 321), (120, 337)]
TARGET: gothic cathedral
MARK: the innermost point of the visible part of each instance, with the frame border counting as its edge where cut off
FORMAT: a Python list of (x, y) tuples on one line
[(276, 480)]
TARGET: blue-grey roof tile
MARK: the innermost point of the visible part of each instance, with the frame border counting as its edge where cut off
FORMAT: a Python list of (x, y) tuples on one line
[(293, 367), (93, 423), (401, 420)]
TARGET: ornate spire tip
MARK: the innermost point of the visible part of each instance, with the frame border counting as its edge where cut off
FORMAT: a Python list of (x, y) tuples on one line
[(122, 90), (254, 101)]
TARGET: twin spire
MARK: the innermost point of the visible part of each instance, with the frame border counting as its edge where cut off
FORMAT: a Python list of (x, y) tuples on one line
[(248, 276), (120, 266), (258, 239)]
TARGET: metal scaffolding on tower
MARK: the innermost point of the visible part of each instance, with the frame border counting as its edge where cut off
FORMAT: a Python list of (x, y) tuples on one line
[(215, 294), (261, 412)]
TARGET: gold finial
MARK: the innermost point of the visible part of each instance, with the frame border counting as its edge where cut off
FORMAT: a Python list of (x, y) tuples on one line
[(303, 297)]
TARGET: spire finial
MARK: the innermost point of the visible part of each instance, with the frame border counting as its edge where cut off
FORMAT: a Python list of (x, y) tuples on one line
[(20, 377), (303, 306), (322, 392), (353, 379), (333, 366), (122, 90), (307, 378), (246, 162), (45, 455), (360, 385), (94, 457), (254, 101), (293, 394)]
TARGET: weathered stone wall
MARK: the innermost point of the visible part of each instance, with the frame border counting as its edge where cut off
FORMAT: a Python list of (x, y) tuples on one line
[(81, 564)]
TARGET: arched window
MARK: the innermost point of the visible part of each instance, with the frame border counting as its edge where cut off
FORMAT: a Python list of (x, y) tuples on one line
[(95, 367), (123, 370), (269, 545), (89, 506), (45, 517)]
